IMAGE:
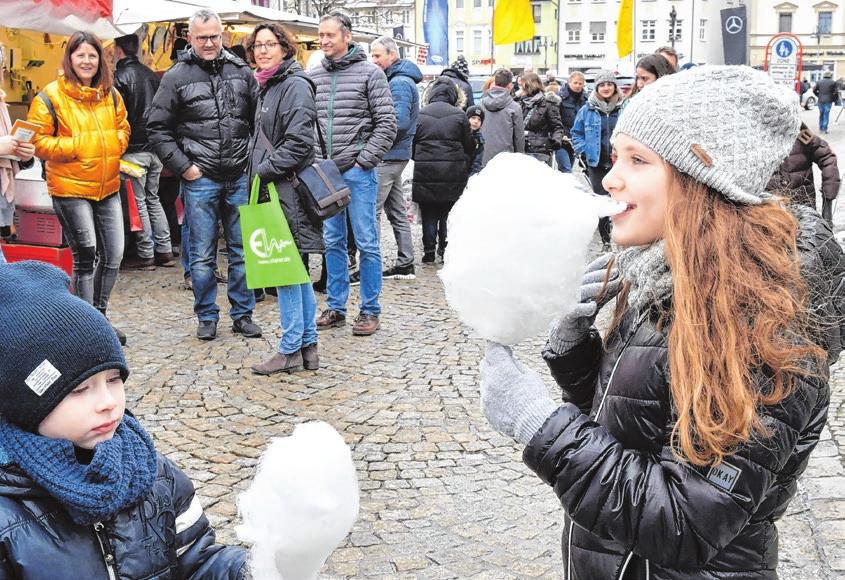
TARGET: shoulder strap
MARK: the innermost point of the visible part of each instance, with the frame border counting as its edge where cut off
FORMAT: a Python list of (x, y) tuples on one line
[(114, 97), (320, 137), (52, 110)]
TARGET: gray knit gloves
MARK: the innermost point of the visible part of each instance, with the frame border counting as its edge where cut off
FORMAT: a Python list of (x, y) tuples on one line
[(573, 328), (514, 399)]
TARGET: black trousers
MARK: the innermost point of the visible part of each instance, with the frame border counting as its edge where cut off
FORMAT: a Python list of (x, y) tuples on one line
[(434, 217), (596, 174)]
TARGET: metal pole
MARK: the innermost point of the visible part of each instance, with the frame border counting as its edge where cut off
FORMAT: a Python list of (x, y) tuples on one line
[(692, 32), (673, 17)]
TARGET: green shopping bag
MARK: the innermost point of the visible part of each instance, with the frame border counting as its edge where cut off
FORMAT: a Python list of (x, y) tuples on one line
[(270, 254)]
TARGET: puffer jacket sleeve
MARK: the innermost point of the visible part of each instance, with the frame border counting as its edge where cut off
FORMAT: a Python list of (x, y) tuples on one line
[(200, 557), (556, 133), (825, 158), (121, 121), (402, 92), (659, 507), (162, 118), (576, 371), (297, 113), (518, 129), (48, 147), (383, 115)]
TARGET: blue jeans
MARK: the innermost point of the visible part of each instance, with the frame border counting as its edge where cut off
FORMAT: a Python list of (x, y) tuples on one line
[(824, 115), (362, 215), (94, 232), (206, 202), (185, 257), (564, 161), (297, 317)]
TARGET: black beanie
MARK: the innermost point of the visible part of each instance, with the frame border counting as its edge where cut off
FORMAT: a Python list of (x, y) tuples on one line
[(475, 111), (51, 342)]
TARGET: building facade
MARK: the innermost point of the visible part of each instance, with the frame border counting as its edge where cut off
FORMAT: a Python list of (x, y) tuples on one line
[(588, 32), (819, 26)]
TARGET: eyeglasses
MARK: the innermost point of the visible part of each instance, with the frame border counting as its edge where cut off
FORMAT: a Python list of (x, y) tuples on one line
[(268, 46), (212, 38)]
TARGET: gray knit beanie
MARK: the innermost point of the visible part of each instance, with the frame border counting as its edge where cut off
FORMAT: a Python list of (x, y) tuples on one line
[(606, 76), (728, 127)]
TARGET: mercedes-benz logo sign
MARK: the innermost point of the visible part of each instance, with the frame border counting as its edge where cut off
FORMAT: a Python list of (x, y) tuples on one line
[(733, 25)]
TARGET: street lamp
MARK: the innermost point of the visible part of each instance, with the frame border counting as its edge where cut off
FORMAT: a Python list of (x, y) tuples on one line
[(673, 19)]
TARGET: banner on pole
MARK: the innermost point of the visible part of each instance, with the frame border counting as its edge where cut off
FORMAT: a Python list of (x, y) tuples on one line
[(436, 31), (735, 35)]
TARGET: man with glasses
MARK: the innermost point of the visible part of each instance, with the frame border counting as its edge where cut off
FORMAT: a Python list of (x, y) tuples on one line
[(356, 115), (199, 124)]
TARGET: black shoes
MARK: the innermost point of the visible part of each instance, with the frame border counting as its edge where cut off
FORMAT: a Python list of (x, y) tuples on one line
[(247, 327), (428, 258), (207, 330), (355, 278), (400, 273)]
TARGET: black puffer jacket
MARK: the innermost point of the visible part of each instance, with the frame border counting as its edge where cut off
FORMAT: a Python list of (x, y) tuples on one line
[(462, 81), (570, 104), (794, 177), (138, 85), (202, 114), (543, 127), (443, 145), (355, 108), (827, 90), (634, 511), (164, 537), (286, 114)]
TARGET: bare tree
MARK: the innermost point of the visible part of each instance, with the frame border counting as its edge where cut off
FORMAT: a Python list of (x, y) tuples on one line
[(323, 7)]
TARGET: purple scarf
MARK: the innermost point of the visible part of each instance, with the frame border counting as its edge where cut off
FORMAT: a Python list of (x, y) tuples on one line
[(262, 76)]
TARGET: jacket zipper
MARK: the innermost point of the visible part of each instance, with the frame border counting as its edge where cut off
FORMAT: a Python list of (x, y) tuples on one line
[(103, 145), (108, 557), (596, 418), (330, 118)]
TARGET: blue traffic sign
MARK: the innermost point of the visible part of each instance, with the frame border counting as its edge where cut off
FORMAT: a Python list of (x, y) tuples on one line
[(784, 48)]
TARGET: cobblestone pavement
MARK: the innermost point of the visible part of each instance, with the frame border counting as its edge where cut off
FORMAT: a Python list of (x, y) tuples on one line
[(442, 496)]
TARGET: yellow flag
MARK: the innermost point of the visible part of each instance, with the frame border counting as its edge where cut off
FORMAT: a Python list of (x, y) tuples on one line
[(625, 28), (513, 21)]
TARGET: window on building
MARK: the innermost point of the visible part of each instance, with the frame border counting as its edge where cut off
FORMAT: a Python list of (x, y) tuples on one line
[(476, 42), (677, 33), (573, 32), (647, 28), (825, 22), (597, 30), (459, 4), (785, 22), (537, 11), (476, 3), (702, 29), (459, 41), (574, 1), (490, 3)]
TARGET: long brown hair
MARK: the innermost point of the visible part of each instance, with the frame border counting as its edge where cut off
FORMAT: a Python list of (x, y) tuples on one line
[(103, 78), (288, 44), (739, 329)]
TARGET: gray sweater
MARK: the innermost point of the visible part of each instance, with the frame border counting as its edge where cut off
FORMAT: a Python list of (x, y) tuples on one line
[(355, 109), (503, 127)]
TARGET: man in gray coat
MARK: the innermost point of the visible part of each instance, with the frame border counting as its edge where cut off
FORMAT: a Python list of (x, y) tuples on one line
[(503, 128), (356, 116)]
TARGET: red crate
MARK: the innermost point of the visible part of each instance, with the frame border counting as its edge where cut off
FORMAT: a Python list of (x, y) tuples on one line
[(35, 227), (59, 257)]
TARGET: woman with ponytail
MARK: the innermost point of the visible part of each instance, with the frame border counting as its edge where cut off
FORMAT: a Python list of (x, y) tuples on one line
[(683, 432)]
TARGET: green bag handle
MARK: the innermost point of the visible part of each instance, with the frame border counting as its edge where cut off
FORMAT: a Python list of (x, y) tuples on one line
[(256, 187)]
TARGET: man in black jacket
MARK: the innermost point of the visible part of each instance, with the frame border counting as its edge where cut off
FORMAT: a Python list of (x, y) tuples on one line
[(572, 99), (138, 84), (827, 91), (200, 124)]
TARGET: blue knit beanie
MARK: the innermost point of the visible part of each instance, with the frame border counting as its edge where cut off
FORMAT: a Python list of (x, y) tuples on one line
[(51, 342)]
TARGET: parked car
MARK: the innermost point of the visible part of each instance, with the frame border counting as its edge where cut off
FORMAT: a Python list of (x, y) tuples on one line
[(476, 82), (808, 101)]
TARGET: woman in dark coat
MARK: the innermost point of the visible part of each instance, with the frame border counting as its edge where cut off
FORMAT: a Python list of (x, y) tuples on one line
[(282, 145), (683, 433), (543, 126), (442, 145)]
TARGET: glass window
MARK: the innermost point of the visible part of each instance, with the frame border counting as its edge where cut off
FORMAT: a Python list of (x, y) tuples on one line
[(459, 4), (597, 30), (679, 26), (476, 3), (647, 28), (702, 29), (537, 11), (573, 32), (476, 42), (825, 22), (459, 41), (785, 22)]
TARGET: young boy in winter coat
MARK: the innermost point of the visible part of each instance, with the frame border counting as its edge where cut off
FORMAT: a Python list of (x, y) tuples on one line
[(475, 115), (83, 492)]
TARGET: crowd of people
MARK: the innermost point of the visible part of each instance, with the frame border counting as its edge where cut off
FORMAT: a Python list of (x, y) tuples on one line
[(681, 433)]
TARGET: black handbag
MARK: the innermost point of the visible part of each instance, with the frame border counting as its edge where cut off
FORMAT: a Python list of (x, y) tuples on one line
[(320, 186)]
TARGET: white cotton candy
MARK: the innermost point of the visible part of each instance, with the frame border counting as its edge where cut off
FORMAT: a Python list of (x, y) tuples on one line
[(301, 504), (517, 248)]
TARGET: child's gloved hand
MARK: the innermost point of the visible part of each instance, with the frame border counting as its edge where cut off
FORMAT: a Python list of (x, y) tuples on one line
[(514, 399), (573, 328)]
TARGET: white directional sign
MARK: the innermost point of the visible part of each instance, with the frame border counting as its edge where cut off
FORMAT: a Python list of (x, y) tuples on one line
[(784, 59)]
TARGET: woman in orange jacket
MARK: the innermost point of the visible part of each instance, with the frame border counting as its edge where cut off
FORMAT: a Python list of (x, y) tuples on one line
[(83, 132)]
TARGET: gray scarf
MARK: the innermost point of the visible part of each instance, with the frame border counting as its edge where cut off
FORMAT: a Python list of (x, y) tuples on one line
[(646, 269), (606, 107)]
